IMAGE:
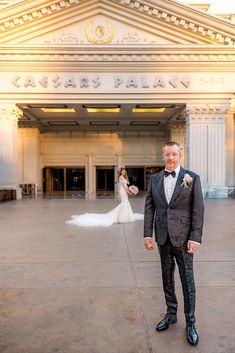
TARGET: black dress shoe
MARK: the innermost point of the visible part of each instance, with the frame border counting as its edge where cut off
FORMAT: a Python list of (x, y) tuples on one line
[(192, 336), (166, 321)]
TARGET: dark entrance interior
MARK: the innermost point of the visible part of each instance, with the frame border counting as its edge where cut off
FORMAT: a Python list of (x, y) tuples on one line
[(75, 179), (139, 176), (149, 171), (105, 179), (136, 176), (64, 179)]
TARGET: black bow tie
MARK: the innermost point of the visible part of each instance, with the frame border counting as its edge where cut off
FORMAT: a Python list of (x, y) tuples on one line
[(166, 173)]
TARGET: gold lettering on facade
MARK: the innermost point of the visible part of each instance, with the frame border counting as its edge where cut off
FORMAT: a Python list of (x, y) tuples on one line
[(86, 81), (186, 81), (173, 81), (158, 82), (96, 81), (131, 82), (15, 81), (56, 81), (44, 81), (117, 81), (69, 82), (144, 82), (29, 81), (100, 34)]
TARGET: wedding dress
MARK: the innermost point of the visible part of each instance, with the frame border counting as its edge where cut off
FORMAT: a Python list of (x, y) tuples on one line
[(121, 214)]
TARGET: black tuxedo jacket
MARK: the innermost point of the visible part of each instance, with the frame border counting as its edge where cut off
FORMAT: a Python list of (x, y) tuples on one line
[(182, 218)]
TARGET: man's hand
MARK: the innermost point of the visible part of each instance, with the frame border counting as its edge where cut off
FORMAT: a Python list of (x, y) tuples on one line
[(192, 247), (149, 243)]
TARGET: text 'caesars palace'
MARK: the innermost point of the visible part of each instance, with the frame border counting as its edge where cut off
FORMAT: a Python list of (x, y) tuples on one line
[(88, 86)]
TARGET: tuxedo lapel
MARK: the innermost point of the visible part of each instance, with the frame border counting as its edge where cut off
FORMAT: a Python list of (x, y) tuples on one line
[(161, 188), (177, 188)]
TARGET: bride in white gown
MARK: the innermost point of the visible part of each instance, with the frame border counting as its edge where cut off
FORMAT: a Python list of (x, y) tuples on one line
[(121, 214)]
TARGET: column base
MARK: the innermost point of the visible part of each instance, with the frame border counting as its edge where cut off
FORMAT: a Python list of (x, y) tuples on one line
[(231, 191), (215, 192), (18, 193)]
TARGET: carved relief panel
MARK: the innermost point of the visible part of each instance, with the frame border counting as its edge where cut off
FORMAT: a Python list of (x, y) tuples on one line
[(98, 30)]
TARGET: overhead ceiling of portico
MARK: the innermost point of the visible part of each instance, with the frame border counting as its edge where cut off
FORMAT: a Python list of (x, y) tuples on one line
[(77, 118), (115, 22)]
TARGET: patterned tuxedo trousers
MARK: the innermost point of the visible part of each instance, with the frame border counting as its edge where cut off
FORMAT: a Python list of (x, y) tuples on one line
[(169, 254)]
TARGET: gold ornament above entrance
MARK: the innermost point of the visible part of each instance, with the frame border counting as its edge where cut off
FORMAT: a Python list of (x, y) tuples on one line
[(100, 34)]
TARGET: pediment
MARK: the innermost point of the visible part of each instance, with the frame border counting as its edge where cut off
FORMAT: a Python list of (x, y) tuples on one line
[(99, 30), (117, 22)]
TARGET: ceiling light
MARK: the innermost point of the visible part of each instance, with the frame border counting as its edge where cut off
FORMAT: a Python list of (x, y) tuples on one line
[(109, 108), (103, 110), (57, 110), (47, 106), (148, 110)]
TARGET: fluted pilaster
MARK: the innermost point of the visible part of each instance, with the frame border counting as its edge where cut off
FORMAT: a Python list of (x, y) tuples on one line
[(28, 156), (230, 149), (89, 172), (9, 114), (206, 146), (177, 134)]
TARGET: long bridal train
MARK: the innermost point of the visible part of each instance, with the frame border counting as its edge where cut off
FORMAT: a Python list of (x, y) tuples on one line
[(120, 214)]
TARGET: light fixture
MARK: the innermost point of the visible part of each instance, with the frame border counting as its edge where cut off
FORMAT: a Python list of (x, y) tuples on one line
[(102, 108), (139, 109), (37, 106), (57, 110)]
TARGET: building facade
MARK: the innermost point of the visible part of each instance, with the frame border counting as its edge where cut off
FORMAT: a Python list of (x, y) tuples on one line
[(88, 86)]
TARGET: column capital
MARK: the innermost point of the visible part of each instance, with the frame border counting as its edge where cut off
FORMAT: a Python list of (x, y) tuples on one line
[(207, 113), (10, 111), (209, 109), (178, 126)]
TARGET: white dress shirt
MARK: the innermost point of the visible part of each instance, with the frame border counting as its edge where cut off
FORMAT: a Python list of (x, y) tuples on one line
[(169, 183)]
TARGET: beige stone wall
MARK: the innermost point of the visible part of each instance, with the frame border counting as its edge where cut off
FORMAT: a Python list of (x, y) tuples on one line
[(100, 149)]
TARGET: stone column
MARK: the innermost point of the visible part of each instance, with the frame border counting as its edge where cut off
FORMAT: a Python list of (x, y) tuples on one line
[(177, 134), (89, 171), (119, 165), (28, 153), (119, 161), (9, 114), (206, 152), (230, 149)]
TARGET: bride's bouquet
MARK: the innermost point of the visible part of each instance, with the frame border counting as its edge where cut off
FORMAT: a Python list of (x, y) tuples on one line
[(133, 189)]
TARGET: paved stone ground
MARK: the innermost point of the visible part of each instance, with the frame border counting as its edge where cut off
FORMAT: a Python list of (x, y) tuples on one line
[(65, 289)]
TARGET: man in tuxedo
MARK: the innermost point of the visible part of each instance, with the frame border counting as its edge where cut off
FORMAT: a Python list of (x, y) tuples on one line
[(174, 210)]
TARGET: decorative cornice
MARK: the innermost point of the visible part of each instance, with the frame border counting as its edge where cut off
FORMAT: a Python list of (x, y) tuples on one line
[(167, 15), (10, 112), (37, 12), (178, 127), (215, 54), (208, 109)]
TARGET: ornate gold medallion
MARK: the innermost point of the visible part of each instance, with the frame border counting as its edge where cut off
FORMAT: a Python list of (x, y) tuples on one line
[(100, 34)]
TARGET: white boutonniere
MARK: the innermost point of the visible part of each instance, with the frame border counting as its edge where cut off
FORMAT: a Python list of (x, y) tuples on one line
[(187, 180)]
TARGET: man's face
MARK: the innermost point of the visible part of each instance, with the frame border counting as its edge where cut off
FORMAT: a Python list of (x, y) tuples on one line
[(171, 156)]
